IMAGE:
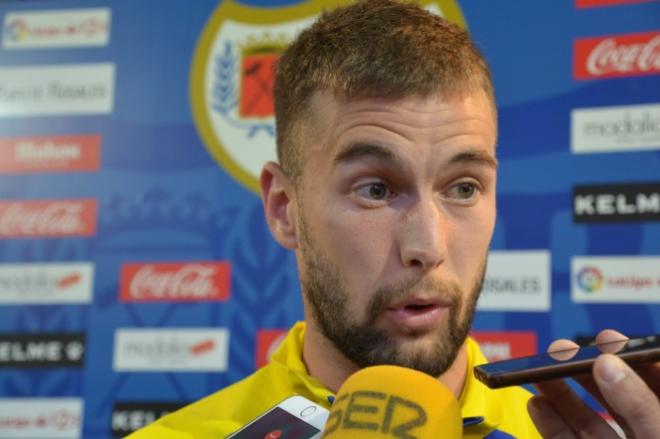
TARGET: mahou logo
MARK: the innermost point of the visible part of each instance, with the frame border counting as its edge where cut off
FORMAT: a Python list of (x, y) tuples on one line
[(175, 281), (498, 345), (50, 154), (46, 218), (600, 3), (617, 56)]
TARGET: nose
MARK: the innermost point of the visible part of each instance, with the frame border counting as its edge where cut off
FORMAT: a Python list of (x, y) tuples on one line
[(422, 235)]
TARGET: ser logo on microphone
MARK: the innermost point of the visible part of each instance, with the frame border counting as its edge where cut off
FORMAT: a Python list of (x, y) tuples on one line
[(376, 412)]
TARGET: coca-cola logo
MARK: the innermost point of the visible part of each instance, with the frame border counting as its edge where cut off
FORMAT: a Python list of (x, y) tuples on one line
[(48, 218), (627, 55), (194, 281)]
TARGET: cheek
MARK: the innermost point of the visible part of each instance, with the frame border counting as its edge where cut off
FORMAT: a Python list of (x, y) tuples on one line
[(359, 246), (472, 239)]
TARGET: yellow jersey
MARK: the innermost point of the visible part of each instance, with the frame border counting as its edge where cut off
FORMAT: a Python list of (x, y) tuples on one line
[(487, 413)]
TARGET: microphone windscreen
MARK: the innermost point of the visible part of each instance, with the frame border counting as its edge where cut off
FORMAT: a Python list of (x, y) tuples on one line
[(393, 402)]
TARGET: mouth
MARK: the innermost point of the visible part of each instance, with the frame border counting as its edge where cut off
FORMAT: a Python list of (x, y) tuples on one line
[(417, 314)]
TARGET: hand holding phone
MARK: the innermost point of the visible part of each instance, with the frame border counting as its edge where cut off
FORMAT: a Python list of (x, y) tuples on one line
[(632, 398)]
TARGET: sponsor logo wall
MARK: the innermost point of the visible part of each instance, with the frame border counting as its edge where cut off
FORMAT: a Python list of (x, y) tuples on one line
[(137, 273)]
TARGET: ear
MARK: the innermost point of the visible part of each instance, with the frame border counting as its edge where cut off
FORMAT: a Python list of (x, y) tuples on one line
[(279, 205)]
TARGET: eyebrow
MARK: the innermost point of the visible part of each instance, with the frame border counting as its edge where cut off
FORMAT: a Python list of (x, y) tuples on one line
[(359, 150), (477, 157)]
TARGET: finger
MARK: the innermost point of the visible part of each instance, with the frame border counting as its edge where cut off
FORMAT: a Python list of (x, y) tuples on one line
[(609, 335), (574, 412), (561, 344), (628, 396), (588, 383), (546, 419)]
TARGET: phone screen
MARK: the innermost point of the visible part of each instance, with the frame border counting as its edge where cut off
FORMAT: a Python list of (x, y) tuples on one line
[(564, 363), (278, 424)]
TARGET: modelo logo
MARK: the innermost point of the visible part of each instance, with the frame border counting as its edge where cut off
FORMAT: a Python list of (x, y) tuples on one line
[(45, 350), (199, 349), (53, 282), (47, 218), (128, 417), (231, 80), (635, 202), (617, 56), (175, 281), (619, 128), (50, 154), (352, 416)]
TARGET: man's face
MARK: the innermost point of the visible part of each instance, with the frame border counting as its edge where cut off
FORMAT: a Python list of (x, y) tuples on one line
[(395, 212)]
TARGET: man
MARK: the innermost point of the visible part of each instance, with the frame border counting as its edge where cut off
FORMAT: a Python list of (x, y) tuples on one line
[(385, 191)]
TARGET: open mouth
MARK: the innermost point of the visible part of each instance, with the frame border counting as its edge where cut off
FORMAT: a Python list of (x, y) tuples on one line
[(419, 307), (416, 314)]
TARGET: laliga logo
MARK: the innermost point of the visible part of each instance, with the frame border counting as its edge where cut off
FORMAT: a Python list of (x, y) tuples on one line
[(232, 75), (16, 30), (590, 279)]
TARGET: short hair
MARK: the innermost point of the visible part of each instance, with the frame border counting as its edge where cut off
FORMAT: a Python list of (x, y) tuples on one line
[(372, 49)]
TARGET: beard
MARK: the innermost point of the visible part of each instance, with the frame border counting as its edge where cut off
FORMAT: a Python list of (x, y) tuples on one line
[(363, 342)]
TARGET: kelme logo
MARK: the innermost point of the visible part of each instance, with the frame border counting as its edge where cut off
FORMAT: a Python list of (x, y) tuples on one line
[(231, 80), (590, 279)]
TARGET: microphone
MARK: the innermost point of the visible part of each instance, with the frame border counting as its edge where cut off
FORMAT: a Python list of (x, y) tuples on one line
[(393, 402)]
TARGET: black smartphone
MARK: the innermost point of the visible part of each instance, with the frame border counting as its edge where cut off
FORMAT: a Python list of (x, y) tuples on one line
[(565, 363)]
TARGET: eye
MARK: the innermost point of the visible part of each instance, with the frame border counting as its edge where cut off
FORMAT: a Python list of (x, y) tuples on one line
[(374, 191), (463, 191)]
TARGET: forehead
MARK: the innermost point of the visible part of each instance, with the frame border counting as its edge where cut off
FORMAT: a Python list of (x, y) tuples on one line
[(332, 121)]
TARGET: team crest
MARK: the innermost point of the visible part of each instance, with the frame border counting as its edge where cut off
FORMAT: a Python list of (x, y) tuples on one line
[(231, 82)]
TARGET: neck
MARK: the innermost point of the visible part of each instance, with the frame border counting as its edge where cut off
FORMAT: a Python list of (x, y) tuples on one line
[(328, 365)]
